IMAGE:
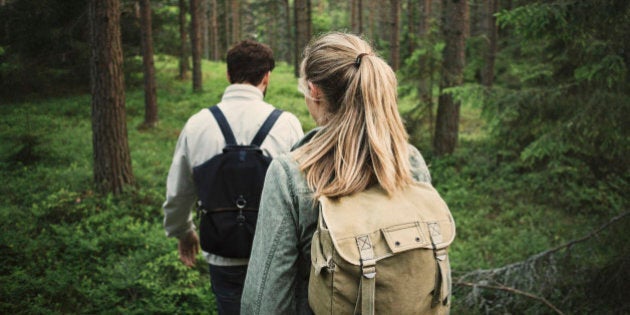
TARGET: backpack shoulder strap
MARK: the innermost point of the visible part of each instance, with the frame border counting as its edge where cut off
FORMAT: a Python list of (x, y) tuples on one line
[(224, 125), (266, 127)]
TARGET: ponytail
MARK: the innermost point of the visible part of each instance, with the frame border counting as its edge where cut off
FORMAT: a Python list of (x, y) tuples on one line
[(364, 141)]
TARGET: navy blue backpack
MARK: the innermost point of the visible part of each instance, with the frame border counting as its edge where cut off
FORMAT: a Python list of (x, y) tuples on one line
[(229, 186)]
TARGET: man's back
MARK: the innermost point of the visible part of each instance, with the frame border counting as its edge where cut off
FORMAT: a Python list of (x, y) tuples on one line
[(201, 139), (249, 66), (245, 114)]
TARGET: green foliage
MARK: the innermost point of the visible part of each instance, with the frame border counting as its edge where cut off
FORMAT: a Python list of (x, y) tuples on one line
[(419, 75), (67, 249), (563, 107), (521, 189)]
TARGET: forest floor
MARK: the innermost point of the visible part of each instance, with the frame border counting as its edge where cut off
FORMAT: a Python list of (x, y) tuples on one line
[(67, 249)]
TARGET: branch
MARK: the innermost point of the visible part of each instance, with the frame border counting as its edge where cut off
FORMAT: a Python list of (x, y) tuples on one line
[(511, 290), (481, 272), (553, 250), (590, 235)]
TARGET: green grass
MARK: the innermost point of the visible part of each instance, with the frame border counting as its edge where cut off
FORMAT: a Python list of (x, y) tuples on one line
[(67, 249)]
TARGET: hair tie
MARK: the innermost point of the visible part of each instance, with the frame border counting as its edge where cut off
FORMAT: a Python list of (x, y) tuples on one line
[(357, 62)]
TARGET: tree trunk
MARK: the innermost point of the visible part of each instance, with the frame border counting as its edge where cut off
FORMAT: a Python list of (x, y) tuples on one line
[(455, 28), (195, 39), (214, 24), (302, 13), (5, 26), (487, 75), (112, 160), (205, 30), (356, 16), (425, 21), (150, 96), (5, 30), (236, 21), (183, 49), (425, 86), (288, 47), (412, 32), (271, 30), (394, 40), (372, 20)]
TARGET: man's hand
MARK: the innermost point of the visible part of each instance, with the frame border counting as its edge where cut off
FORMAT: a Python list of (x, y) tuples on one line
[(188, 248)]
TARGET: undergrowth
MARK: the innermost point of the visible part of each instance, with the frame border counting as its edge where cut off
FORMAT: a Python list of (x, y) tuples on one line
[(67, 249)]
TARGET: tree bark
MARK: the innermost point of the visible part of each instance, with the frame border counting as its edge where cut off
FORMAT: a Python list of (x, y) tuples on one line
[(455, 29), (150, 95), (487, 75), (356, 16), (425, 85), (236, 21), (394, 40), (195, 39), (372, 20), (205, 30), (271, 28), (112, 160), (288, 47), (228, 31), (183, 49), (302, 13), (214, 22), (412, 30)]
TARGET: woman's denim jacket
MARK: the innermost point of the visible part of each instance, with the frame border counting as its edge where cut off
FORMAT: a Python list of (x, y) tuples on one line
[(279, 266)]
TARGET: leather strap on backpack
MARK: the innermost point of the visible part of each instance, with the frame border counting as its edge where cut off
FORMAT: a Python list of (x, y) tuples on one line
[(436, 236), (367, 286)]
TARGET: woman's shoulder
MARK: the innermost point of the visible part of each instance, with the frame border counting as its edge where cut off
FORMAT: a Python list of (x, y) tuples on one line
[(284, 165), (306, 139)]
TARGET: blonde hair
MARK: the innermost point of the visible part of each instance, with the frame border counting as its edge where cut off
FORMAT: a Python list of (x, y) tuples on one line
[(363, 140)]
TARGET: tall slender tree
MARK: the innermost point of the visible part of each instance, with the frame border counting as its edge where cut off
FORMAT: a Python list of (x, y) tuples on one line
[(487, 73), (455, 30), (205, 29), (412, 26), (112, 160), (148, 66), (214, 27), (288, 48), (425, 85), (236, 20), (195, 39), (183, 40), (5, 25), (303, 29), (394, 40), (356, 16)]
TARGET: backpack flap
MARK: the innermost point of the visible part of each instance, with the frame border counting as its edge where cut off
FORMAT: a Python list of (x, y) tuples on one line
[(416, 217)]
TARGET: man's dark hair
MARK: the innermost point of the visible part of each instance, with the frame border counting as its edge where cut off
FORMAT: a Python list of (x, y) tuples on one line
[(248, 61)]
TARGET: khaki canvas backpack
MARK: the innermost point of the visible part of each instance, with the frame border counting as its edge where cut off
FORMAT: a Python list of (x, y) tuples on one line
[(372, 253)]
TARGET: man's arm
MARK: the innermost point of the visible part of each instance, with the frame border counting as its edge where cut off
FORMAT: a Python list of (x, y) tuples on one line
[(180, 198)]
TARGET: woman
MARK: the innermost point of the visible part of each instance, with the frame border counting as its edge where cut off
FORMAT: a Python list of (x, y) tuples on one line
[(351, 94)]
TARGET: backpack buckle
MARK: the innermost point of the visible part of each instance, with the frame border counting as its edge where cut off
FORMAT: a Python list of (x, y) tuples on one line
[(200, 209), (240, 204)]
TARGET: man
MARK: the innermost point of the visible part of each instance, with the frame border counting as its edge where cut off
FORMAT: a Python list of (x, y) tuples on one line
[(249, 66)]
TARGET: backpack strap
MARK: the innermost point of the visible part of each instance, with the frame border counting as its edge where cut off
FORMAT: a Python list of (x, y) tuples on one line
[(367, 284), (266, 127), (224, 125)]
